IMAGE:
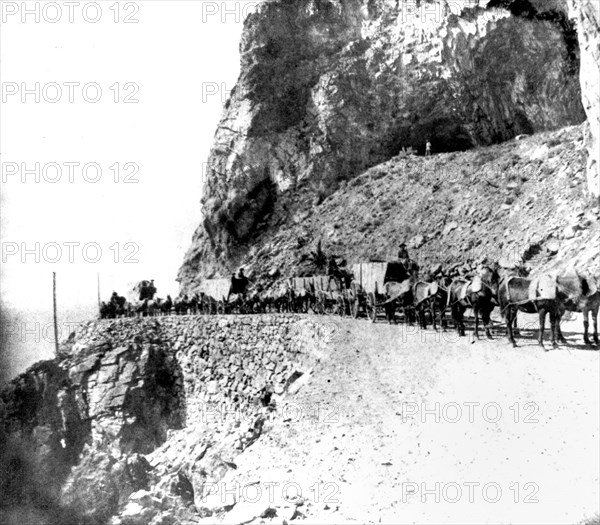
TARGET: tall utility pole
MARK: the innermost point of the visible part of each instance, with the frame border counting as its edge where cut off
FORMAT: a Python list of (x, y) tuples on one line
[(55, 319), (99, 302)]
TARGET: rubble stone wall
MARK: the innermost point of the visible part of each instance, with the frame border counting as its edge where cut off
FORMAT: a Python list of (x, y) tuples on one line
[(123, 388), (131, 380)]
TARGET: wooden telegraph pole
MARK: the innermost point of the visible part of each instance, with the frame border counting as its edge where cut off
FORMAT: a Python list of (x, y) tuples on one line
[(55, 319)]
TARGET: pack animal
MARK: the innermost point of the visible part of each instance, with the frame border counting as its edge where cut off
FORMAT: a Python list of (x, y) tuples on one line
[(478, 294)]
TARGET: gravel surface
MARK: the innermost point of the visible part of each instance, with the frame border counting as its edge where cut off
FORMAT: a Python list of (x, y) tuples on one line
[(417, 427)]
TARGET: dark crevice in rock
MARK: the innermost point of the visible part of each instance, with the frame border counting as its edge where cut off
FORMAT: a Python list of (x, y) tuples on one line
[(259, 203)]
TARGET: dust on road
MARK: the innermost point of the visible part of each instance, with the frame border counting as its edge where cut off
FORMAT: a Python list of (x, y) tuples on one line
[(396, 425)]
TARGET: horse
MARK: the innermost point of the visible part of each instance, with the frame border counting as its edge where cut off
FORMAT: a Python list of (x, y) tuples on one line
[(331, 300), (236, 303), (432, 296), (195, 304), (153, 306), (514, 295), (165, 307), (181, 305), (141, 309), (400, 295), (117, 303), (302, 300), (253, 302), (592, 304), (282, 298), (440, 300), (478, 294), (422, 294), (577, 293), (107, 311), (274, 299)]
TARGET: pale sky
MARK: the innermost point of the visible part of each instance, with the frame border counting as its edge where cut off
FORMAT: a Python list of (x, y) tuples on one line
[(179, 53), (176, 66)]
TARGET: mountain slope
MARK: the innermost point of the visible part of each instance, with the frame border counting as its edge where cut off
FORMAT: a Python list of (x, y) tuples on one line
[(521, 197), (328, 89)]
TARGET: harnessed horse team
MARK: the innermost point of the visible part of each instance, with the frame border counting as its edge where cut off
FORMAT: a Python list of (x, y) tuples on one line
[(481, 290)]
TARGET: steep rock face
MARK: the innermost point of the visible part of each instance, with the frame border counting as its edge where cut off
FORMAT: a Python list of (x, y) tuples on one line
[(329, 88), (586, 13), (522, 201), (145, 404)]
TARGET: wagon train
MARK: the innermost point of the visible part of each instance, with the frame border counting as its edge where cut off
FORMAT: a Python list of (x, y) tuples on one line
[(383, 287)]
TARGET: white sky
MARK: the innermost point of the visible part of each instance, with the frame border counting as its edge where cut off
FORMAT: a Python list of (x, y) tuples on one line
[(177, 51)]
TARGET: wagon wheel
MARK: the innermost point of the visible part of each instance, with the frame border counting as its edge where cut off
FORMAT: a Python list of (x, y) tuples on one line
[(390, 312), (304, 305), (355, 307), (220, 308), (330, 307), (341, 306), (371, 308), (319, 306)]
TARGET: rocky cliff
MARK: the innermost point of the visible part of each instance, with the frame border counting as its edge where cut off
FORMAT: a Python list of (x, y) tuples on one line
[(328, 89), (586, 14), (139, 411)]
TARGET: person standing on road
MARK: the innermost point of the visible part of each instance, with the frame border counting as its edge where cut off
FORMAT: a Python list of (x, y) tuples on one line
[(428, 148)]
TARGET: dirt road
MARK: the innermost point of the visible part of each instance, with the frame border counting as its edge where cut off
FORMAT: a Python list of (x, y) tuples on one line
[(401, 426)]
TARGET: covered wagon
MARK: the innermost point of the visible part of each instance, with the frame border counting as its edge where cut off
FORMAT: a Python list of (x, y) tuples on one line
[(215, 295), (303, 296), (376, 287)]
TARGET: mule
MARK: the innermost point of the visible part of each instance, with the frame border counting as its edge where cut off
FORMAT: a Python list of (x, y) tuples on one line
[(514, 296), (431, 297), (107, 310), (440, 300), (479, 294), (153, 307), (591, 305), (577, 293), (181, 304), (141, 308), (165, 307), (400, 295), (422, 301)]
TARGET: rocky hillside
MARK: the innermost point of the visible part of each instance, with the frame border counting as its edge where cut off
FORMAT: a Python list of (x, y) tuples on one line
[(298, 419), (137, 404), (329, 89), (520, 201)]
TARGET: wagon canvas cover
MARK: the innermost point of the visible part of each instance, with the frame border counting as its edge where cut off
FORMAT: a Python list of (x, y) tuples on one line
[(373, 275), (300, 283), (218, 289), (321, 283)]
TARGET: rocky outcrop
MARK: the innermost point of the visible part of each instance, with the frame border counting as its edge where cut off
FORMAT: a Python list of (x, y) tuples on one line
[(586, 14), (520, 201), (329, 88), (154, 405)]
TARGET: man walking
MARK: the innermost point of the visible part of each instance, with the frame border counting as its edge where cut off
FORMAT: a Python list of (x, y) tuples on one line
[(428, 148)]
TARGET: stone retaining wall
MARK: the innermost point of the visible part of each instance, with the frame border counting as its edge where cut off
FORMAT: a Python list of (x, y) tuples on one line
[(125, 387), (133, 379)]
